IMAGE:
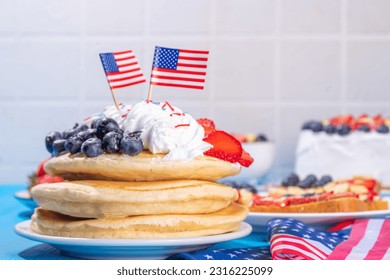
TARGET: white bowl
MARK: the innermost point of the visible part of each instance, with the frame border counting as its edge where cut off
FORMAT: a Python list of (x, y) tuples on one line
[(263, 154)]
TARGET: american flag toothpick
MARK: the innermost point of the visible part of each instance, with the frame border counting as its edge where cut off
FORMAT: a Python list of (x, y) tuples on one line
[(178, 68), (122, 70)]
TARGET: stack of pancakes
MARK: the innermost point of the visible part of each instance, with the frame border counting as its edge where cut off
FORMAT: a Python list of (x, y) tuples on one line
[(143, 196)]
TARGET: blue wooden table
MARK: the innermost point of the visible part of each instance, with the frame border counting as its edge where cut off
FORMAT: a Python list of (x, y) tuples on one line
[(14, 247)]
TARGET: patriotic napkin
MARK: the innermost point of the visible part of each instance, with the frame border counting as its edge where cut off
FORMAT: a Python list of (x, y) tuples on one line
[(293, 240)]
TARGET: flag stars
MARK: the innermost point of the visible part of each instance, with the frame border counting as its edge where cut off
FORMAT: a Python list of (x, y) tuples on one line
[(166, 58), (208, 257), (232, 255)]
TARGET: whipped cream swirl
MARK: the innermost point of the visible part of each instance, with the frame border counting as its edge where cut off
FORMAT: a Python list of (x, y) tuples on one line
[(167, 130)]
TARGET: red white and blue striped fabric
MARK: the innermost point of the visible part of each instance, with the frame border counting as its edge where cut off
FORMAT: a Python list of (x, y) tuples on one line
[(292, 239), (369, 240), (356, 240), (179, 68), (122, 69)]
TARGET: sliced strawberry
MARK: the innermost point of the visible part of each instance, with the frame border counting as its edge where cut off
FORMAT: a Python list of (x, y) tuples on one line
[(246, 160), (377, 121), (362, 120), (363, 116), (208, 126), (225, 146), (240, 137), (40, 170), (46, 178), (339, 120), (370, 184)]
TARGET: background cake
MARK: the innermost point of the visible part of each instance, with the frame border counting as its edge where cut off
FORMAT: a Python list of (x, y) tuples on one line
[(345, 146)]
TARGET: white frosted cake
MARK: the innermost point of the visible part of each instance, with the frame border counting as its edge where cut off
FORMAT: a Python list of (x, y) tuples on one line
[(344, 147)]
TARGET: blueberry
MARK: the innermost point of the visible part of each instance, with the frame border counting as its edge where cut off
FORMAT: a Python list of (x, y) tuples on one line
[(291, 180), (311, 177), (50, 138), (94, 122), (131, 144), (308, 194), (314, 126), (246, 186), (92, 147), (308, 182), (382, 129), (261, 138), (69, 133), (323, 181), (343, 129), (111, 142), (82, 127), (58, 147), (105, 125), (364, 128), (307, 125), (326, 179), (73, 144), (317, 127), (330, 129), (86, 134)]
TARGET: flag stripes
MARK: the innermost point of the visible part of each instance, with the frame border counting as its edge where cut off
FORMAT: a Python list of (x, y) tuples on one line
[(179, 68), (122, 69)]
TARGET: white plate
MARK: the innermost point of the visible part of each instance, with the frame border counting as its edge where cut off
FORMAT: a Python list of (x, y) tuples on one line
[(321, 221), (25, 198), (138, 249)]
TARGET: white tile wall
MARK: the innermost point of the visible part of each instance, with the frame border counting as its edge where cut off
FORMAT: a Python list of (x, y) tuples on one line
[(315, 79), (310, 17), (273, 64)]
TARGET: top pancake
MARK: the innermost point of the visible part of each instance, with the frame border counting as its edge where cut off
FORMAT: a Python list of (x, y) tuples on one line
[(143, 167)]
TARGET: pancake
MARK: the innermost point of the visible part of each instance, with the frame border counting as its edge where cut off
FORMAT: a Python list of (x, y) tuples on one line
[(142, 167), (99, 199), (152, 226)]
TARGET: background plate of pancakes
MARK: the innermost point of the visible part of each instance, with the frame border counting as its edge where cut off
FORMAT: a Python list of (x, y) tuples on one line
[(160, 248), (320, 221)]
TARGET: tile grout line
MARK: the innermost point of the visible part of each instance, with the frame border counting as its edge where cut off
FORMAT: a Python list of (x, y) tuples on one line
[(343, 55), (83, 48), (211, 108), (277, 75)]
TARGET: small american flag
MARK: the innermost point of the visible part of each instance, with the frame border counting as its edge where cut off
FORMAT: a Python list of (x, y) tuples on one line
[(363, 239), (122, 69), (179, 68)]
